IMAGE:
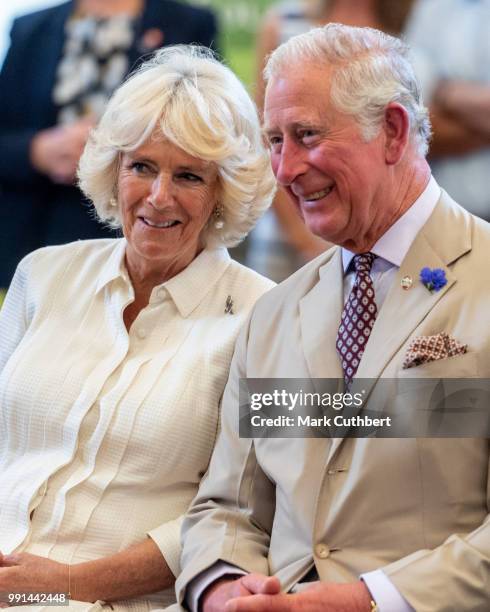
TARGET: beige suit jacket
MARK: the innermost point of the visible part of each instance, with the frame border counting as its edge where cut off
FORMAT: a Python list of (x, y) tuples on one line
[(417, 508)]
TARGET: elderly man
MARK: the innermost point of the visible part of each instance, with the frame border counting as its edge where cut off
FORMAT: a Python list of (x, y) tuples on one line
[(350, 524)]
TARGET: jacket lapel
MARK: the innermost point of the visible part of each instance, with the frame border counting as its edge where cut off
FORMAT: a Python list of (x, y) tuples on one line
[(320, 309), (49, 40), (445, 238), (151, 20)]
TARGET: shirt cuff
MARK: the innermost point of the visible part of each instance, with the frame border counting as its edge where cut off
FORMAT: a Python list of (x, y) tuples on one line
[(200, 583), (167, 538), (385, 594)]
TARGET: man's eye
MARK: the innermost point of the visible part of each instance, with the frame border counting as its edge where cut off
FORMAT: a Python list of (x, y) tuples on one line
[(307, 135), (275, 142)]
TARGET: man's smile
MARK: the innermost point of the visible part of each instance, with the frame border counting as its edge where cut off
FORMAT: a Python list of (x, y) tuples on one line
[(317, 195)]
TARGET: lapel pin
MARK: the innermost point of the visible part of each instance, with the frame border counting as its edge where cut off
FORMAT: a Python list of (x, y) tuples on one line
[(406, 282), (229, 305)]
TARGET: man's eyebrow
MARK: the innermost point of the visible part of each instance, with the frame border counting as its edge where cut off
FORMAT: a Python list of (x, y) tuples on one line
[(267, 131), (294, 127), (307, 125)]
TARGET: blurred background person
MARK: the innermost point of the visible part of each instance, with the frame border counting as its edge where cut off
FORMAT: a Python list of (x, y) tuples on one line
[(114, 353), (281, 243), (62, 65), (450, 42)]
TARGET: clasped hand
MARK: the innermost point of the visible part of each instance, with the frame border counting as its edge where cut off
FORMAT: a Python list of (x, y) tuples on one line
[(259, 593), (25, 573)]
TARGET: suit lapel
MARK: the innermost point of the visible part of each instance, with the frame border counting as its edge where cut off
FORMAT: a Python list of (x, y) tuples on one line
[(320, 309), (445, 238), (403, 310), (49, 40), (151, 19)]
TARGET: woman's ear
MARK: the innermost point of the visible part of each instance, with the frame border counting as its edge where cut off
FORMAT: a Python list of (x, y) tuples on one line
[(396, 126)]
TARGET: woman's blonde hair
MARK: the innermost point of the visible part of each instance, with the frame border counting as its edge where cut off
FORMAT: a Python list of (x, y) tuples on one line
[(198, 104)]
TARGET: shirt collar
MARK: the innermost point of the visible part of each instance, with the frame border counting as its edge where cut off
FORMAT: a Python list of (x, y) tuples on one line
[(187, 289), (397, 240), (114, 267)]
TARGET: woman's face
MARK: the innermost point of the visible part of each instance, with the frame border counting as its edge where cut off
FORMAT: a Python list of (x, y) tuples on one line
[(166, 197)]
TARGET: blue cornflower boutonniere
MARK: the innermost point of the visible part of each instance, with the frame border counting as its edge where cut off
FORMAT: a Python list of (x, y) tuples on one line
[(434, 279)]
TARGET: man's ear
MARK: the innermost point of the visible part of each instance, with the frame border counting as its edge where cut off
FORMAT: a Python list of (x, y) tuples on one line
[(396, 126)]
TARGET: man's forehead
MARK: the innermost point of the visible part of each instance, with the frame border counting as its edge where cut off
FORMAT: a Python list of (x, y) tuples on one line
[(294, 112), (300, 78), (299, 97)]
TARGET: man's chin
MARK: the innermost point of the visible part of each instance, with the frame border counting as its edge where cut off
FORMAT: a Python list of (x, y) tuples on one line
[(325, 229)]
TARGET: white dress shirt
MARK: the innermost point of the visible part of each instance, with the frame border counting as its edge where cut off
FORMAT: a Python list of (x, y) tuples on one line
[(390, 249), (106, 433)]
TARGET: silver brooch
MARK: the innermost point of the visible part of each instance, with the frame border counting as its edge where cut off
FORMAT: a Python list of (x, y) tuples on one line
[(406, 282), (229, 305)]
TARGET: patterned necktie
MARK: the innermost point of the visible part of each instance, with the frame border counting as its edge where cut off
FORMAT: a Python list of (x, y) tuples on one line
[(357, 318)]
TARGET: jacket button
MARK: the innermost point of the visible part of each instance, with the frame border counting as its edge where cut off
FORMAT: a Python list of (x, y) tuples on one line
[(322, 551)]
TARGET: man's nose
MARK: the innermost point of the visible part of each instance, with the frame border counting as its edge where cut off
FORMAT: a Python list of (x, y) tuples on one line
[(161, 193), (289, 164)]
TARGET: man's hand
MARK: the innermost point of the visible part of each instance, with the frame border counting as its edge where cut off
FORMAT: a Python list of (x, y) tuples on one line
[(216, 595), (56, 151), (23, 572), (318, 597)]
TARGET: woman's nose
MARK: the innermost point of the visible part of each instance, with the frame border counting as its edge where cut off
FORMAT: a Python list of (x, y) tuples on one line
[(161, 193)]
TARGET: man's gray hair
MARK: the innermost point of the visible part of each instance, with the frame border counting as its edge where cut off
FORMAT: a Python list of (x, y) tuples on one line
[(371, 69), (185, 95)]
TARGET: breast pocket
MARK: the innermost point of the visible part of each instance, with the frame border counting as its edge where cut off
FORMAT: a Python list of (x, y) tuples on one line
[(460, 366), (445, 398)]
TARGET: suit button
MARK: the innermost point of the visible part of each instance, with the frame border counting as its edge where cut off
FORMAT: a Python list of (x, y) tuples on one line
[(322, 551)]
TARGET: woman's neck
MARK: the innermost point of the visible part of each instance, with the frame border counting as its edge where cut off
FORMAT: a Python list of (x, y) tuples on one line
[(109, 8)]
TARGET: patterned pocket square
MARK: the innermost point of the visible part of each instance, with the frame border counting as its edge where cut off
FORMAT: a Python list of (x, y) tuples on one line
[(425, 349)]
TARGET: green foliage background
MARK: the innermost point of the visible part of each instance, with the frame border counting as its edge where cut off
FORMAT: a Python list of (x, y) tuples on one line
[(239, 21)]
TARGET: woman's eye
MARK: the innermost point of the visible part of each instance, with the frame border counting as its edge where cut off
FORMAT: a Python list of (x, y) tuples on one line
[(189, 176), (139, 167)]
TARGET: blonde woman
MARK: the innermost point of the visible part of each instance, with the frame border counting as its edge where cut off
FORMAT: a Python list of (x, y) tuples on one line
[(114, 353)]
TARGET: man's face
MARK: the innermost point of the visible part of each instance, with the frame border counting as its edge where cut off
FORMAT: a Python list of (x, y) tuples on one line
[(319, 157)]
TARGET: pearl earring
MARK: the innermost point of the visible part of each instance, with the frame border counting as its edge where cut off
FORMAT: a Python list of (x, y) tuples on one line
[(113, 201), (218, 216)]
